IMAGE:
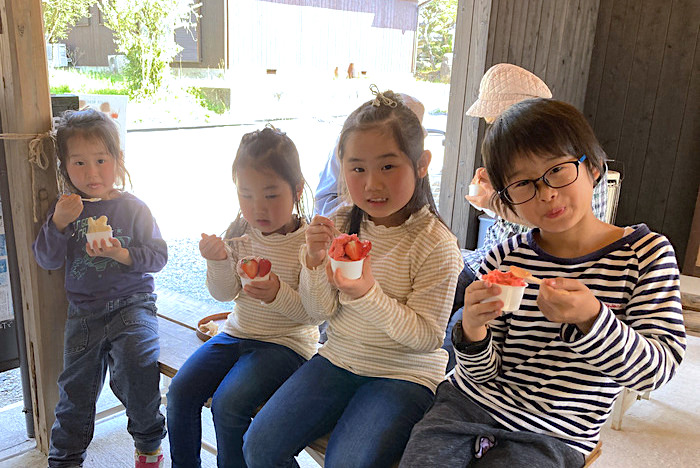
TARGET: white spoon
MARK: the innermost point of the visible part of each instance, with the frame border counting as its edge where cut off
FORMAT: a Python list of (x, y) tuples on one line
[(91, 199)]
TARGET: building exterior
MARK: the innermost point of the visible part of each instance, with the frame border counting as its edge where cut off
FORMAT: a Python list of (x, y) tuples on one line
[(289, 35)]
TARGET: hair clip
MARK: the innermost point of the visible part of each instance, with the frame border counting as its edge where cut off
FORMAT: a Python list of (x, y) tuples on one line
[(380, 99)]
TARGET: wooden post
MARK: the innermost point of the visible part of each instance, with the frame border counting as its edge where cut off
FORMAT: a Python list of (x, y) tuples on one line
[(25, 107)]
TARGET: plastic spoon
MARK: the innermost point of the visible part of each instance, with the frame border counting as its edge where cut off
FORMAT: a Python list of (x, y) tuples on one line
[(91, 199), (524, 274)]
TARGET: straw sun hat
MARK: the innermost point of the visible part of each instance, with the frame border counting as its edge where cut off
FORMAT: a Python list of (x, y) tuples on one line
[(502, 86)]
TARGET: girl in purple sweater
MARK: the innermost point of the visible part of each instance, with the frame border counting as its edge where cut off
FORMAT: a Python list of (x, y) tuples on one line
[(111, 320)]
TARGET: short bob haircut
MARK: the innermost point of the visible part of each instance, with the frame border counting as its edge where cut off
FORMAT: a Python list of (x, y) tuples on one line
[(538, 128)]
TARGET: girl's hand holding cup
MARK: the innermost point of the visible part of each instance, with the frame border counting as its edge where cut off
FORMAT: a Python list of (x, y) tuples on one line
[(319, 236), (264, 291), (566, 300), (111, 249), (68, 208), (354, 288), (477, 313), (212, 247)]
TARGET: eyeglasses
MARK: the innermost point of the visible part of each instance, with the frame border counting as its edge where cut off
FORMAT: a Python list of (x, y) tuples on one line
[(558, 176)]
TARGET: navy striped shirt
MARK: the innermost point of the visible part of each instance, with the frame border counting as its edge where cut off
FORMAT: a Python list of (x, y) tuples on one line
[(550, 378)]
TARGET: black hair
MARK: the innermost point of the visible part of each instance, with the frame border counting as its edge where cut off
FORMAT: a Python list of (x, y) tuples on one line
[(406, 129), (538, 128), (88, 123), (270, 149)]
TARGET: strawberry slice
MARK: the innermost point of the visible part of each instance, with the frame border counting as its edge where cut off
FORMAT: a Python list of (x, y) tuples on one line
[(353, 250), (264, 267), (250, 267)]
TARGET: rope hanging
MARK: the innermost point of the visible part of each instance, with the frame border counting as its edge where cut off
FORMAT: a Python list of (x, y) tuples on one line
[(37, 156)]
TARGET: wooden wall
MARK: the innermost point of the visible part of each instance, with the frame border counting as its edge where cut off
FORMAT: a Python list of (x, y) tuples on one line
[(551, 38), (643, 100), (92, 39)]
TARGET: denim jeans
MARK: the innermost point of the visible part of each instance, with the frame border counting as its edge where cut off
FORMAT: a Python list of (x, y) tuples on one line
[(371, 418), (122, 336), (239, 375)]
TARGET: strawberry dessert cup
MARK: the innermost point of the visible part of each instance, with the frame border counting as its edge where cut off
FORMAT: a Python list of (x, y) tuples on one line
[(512, 289), (348, 253), (253, 269)]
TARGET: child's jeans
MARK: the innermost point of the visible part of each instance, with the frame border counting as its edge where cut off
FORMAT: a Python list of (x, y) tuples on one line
[(124, 337), (458, 432), (239, 375), (371, 418)]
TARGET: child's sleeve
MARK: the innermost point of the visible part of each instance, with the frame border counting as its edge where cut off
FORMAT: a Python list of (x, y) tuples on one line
[(223, 281), (319, 298), (288, 303), (483, 363), (51, 246), (420, 323), (642, 349), (148, 251)]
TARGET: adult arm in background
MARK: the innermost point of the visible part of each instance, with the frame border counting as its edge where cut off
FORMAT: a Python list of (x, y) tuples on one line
[(327, 192)]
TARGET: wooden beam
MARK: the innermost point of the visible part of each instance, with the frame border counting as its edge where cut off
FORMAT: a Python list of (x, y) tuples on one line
[(25, 107)]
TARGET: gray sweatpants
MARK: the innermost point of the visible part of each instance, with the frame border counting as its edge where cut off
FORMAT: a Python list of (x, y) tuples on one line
[(447, 434)]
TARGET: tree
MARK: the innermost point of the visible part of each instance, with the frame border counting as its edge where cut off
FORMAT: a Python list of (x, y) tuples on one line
[(144, 31), (61, 15), (435, 36)]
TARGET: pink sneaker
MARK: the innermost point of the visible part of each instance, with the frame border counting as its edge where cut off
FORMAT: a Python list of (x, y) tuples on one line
[(149, 461)]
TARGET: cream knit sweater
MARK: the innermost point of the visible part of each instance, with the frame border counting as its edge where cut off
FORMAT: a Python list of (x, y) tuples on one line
[(396, 329), (283, 321)]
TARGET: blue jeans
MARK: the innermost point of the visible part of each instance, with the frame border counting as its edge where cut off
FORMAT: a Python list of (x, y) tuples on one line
[(239, 375), (371, 418), (123, 336)]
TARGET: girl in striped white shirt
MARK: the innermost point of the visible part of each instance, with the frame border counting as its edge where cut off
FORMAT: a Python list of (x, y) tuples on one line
[(533, 387), (269, 334), (376, 375)]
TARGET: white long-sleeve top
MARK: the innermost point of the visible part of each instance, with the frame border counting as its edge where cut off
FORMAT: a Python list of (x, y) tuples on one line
[(396, 329), (284, 321)]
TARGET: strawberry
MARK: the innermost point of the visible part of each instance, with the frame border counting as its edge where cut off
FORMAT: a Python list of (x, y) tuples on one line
[(353, 250), (250, 267), (264, 267)]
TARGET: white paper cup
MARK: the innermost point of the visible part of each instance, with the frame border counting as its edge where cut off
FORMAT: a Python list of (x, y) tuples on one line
[(474, 190), (510, 295), (245, 280), (351, 270), (98, 236)]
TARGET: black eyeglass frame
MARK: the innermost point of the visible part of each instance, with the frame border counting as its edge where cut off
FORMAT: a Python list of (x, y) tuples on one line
[(503, 194)]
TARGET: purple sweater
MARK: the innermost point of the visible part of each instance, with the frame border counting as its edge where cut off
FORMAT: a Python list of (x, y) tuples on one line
[(93, 281)]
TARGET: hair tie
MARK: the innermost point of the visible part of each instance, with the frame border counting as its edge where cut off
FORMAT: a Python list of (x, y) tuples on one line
[(380, 99)]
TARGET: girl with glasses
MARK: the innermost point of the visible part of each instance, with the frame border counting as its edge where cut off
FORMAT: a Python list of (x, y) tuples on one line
[(533, 387)]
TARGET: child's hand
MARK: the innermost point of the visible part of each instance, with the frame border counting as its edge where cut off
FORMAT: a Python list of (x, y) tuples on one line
[(212, 247), (566, 300), (477, 313), (265, 291), (114, 251), (354, 288), (68, 208), (319, 236)]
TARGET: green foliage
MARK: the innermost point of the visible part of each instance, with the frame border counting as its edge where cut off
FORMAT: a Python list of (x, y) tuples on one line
[(213, 103), (86, 82), (61, 15), (60, 89), (435, 38), (144, 31)]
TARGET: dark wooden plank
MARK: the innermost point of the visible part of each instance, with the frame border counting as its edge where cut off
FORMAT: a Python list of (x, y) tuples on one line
[(586, 53), (501, 37), (462, 219), (544, 38), (530, 34), (639, 109), (595, 73), (456, 109), (493, 22), (677, 220), (664, 135), (517, 32), (551, 76), (566, 61)]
